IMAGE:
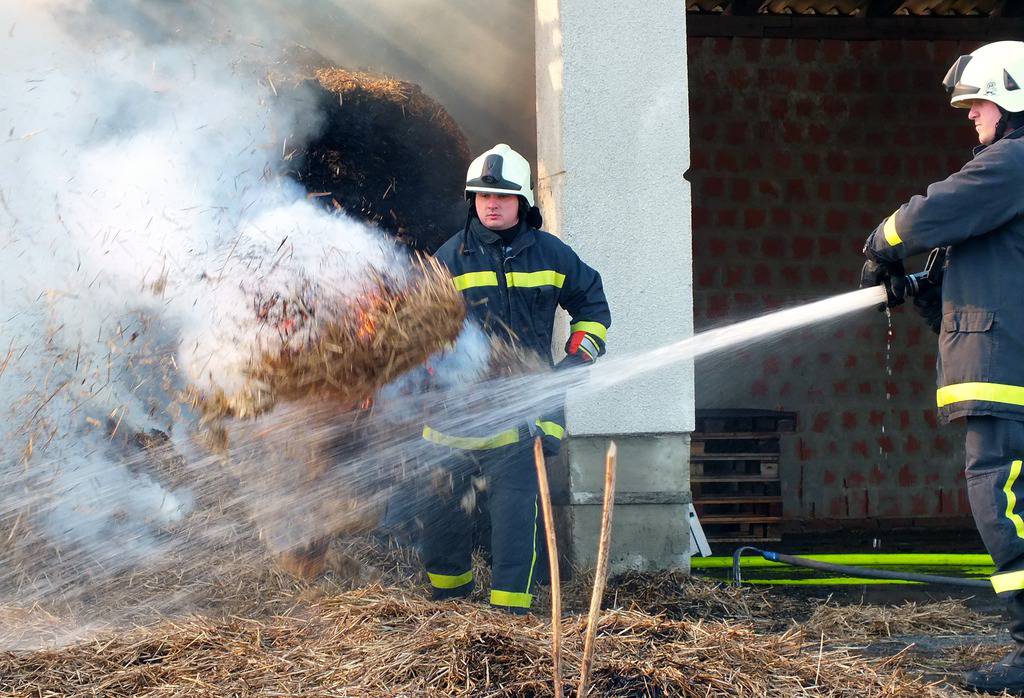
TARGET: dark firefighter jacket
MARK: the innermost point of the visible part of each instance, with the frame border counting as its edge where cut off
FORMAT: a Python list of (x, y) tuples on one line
[(513, 291), (978, 213)]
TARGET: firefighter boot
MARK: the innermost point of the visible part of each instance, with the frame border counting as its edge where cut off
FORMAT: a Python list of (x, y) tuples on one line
[(1008, 673)]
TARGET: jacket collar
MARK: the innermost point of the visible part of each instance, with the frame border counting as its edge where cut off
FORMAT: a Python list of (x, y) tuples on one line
[(525, 237), (1015, 133)]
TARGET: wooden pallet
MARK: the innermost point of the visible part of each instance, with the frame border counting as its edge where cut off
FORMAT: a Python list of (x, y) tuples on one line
[(734, 474)]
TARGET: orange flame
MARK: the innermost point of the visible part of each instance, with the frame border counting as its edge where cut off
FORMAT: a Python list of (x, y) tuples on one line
[(366, 323), (366, 327)]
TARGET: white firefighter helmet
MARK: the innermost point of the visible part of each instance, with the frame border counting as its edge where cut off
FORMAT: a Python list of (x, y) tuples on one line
[(994, 72), (500, 170)]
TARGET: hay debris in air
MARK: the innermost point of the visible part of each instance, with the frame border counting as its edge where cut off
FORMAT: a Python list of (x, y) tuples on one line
[(345, 349)]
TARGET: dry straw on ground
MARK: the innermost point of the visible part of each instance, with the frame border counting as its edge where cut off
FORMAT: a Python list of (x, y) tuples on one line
[(337, 638), (387, 642), (868, 622)]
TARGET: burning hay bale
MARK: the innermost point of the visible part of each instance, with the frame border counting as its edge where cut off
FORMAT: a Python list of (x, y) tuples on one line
[(343, 349), (368, 341), (305, 468)]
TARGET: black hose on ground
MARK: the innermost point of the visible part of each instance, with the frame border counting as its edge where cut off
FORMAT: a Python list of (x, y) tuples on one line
[(851, 571)]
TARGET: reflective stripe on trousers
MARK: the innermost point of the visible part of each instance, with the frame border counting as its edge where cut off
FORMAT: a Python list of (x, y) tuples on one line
[(511, 487), (994, 453)]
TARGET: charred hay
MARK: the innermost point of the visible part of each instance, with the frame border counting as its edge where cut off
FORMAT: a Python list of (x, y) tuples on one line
[(387, 153)]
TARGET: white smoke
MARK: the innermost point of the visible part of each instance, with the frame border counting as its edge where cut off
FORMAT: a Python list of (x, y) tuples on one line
[(139, 210)]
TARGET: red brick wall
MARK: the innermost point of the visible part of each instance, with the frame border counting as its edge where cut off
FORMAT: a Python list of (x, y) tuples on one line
[(800, 148)]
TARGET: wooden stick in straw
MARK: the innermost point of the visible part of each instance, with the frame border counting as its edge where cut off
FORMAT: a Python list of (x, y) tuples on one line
[(556, 584), (601, 569)]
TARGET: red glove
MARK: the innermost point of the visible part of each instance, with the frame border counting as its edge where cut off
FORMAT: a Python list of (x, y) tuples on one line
[(579, 350)]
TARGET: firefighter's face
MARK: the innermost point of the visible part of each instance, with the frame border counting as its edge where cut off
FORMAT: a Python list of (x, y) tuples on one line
[(497, 211), (985, 115)]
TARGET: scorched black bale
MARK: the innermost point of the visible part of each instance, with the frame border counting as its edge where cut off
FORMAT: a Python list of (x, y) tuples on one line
[(387, 153)]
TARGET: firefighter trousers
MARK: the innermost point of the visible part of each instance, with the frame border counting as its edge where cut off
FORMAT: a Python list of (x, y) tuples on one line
[(995, 486), (509, 476)]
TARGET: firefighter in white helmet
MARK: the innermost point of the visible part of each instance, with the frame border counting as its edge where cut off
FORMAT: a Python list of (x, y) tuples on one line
[(513, 276), (977, 216)]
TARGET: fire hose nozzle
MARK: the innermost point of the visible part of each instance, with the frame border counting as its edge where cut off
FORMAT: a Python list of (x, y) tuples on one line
[(914, 282)]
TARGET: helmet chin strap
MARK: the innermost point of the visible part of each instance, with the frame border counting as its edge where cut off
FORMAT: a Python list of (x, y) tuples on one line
[(530, 214), (1002, 124), (1008, 121)]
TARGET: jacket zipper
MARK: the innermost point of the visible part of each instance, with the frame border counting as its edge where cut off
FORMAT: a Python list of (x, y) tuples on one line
[(498, 261), (508, 294)]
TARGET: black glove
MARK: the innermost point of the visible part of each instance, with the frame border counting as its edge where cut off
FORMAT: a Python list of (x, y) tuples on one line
[(891, 275), (572, 361), (928, 304)]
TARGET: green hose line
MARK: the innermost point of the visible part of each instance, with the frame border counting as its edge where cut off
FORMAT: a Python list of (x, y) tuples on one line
[(960, 560), (851, 571)]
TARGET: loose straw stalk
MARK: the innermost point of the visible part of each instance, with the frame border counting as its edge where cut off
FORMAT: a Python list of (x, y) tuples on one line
[(601, 571), (556, 582)]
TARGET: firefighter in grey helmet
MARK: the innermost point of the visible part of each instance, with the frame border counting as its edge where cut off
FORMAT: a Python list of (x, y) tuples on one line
[(976, 215)]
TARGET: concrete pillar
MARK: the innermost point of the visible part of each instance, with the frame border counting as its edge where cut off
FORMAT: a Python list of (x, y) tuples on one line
[(612, 149)]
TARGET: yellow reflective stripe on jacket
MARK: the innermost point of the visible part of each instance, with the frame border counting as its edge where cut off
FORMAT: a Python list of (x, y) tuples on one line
[(449, 581), (510, 598), (472, 443), (552, 429), (475, 279), (1011, 499), (1008, 581), (891, 235), (532, 279), (594, 328), (992, 392)]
